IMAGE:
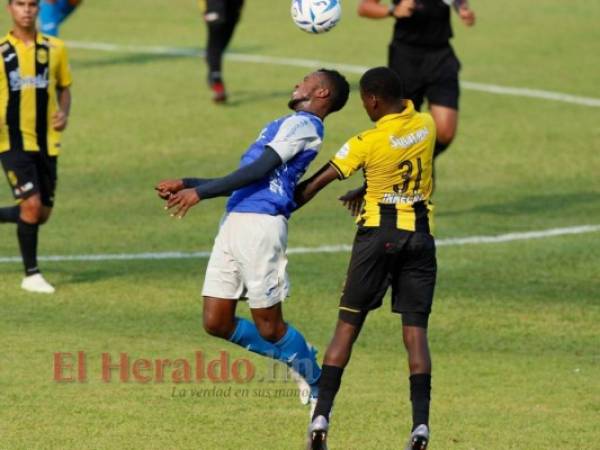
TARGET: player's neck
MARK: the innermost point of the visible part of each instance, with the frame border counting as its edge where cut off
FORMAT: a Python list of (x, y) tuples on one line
[(26, 35)]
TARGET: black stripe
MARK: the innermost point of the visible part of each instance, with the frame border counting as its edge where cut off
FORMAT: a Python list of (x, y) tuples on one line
[(388, 216), (13, 107), (41, 95), (421, 217)]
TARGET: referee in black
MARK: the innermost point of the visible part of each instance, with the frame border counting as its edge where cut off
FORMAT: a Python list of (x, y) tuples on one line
[(221, 17), (420, 52)]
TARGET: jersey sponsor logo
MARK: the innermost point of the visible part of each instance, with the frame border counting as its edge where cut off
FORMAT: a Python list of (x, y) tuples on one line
[(343, 152), (17, 82), (392, 198), (409, 139)]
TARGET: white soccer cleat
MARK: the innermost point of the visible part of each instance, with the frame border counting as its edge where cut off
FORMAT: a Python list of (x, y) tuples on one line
[(317, 434), (303, 387), (419, 438), (36, 283)]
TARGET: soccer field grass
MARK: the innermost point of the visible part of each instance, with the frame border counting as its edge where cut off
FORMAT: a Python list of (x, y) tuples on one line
[(514, 333)]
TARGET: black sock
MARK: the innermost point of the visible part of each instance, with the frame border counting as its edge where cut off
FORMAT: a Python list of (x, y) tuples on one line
[(27, 234), (329, 384), (10, 214), (439, 148), (420, 391)]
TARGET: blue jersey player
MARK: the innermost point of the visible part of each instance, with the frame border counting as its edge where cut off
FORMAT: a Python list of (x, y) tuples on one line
[(248, 259), (53, 13)]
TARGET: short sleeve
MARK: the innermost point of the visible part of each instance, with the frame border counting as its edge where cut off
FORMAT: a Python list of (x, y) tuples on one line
[(63, 77), (296, 133), (350, 157)]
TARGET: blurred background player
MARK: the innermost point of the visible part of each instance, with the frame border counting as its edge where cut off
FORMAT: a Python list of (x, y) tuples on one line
[(393, 244), (35, 95), (420, 52), (53, 13), (221, 17), (248, 259)]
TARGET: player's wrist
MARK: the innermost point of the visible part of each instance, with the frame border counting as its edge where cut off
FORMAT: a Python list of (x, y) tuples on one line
[(391, 12)]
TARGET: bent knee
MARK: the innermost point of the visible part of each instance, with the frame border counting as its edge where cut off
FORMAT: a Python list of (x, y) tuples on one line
[(217, 328)]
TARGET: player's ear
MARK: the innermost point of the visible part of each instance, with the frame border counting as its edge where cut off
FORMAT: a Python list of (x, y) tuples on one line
[(323, 92)]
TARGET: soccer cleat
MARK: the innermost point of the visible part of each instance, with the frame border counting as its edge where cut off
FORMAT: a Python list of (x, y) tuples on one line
[(304, 389), (317, 434), (37, 283), (419, 438), (218, 90)]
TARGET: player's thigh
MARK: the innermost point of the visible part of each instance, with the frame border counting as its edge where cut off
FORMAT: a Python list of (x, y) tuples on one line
[(414, 276), (47, 169), (260, 247), (367, 278), (442, 84), (22, 174), (223, 276)]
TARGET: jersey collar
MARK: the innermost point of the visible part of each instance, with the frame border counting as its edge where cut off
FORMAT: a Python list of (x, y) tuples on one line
[(310, 114), (15, 41), (408, 111)]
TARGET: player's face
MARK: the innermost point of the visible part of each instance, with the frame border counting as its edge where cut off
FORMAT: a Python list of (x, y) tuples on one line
[(303, 92), (24, 12)]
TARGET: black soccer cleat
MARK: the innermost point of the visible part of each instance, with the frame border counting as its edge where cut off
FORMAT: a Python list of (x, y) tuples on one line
[(419, 438)]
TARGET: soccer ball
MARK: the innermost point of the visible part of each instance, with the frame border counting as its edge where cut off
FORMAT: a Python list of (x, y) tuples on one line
[(316, 16)]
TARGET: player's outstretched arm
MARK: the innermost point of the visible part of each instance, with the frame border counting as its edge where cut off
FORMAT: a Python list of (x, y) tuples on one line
[(306, 190), (183, 200), (466, 14), (374, 9)]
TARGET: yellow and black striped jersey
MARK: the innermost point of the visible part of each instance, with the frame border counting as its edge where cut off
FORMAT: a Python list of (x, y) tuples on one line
[(29, 78), (396, 157)]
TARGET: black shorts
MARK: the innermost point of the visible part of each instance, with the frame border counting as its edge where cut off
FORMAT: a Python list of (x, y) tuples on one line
[(219, 12), (30, 173), (430, 73), (387, 256)]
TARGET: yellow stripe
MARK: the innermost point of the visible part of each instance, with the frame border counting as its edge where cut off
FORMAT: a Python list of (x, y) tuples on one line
[(356, 311)]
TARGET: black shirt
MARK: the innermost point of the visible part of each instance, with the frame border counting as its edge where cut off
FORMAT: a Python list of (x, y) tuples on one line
[(429, 26)]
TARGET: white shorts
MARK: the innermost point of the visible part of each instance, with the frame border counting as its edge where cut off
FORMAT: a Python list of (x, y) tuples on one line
[(248, 260)]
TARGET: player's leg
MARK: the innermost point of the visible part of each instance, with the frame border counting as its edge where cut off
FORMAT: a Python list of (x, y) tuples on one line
[(366, 283), (25, 174), (413, 284), (441, 69), (53, 13), (407, 62), (446, 123), (221, 18)]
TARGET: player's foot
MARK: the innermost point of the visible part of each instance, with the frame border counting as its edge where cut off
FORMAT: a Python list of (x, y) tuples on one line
[(218, 90), (419, 438), (37, 283), (317, 434)]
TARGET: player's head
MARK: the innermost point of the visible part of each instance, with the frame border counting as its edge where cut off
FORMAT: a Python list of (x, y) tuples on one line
[(321, 92), (24, 12), (381, 89)]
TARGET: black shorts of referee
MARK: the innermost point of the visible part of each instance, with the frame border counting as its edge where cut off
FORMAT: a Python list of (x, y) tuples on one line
[(427, 72), (384, 257)]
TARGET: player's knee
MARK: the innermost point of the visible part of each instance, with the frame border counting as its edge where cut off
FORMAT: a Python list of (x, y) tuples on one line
[(270, 330), (32, 210), (217, 328), (445, 134)]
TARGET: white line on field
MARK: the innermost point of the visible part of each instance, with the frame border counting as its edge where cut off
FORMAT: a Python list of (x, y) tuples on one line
[(314, 64), (472, 240)]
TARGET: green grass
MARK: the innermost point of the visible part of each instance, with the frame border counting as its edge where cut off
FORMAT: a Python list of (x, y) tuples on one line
[(514, 333)]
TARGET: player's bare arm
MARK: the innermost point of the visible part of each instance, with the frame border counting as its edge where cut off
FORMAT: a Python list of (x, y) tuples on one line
[(61, 117), (306, 190), (375, 9), (464, 11)]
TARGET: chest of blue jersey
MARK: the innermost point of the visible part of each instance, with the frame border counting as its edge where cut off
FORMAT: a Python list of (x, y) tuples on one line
[(274, 194)]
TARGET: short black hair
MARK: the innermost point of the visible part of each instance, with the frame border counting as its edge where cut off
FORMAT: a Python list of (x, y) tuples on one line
[(340, 89), (382, 82)]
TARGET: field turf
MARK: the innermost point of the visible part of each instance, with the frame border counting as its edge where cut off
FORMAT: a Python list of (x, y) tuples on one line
[(514, 333)]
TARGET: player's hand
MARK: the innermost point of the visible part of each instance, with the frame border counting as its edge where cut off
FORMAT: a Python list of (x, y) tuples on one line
[(466, 14), (181, 201), (404, 9), (354, 200), (166, 188), (59, 121)]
